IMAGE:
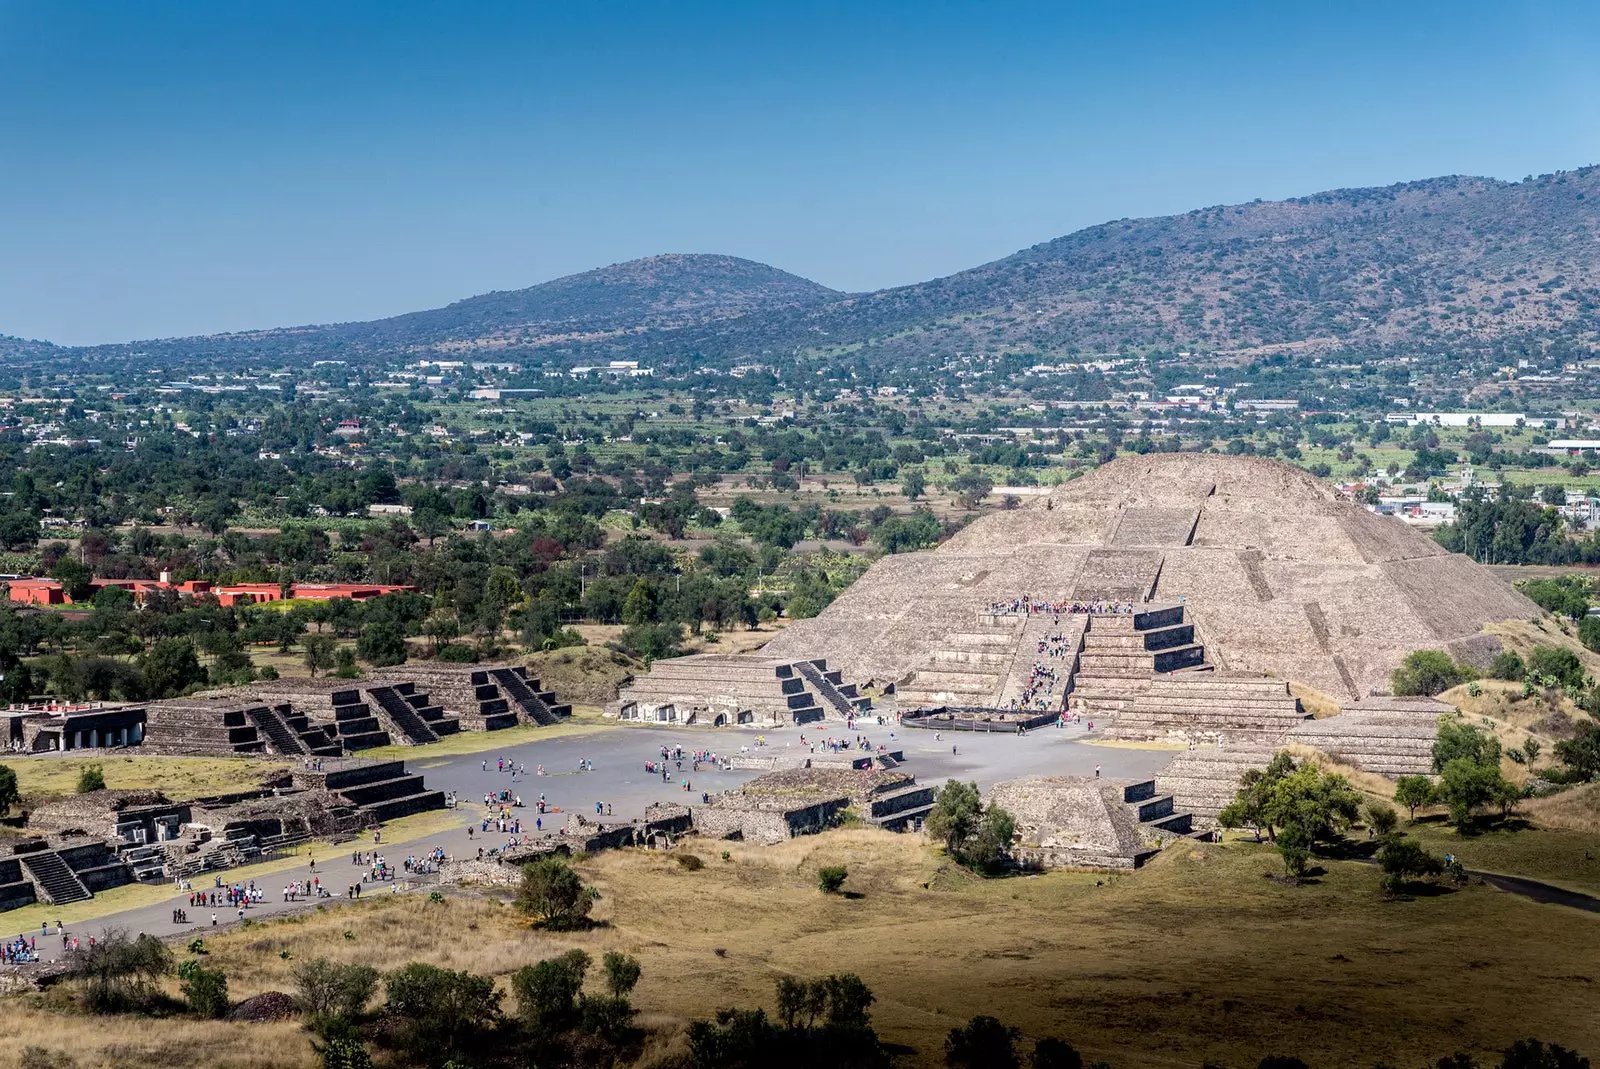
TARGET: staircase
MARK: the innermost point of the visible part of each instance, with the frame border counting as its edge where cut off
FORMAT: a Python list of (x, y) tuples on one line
[(539, 707), (58, 882), (280, 739), (1122, 653), (392, 704), (831, 694)]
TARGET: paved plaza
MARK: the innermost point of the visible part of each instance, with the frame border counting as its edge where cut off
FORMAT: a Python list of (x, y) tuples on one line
[(618, 756)]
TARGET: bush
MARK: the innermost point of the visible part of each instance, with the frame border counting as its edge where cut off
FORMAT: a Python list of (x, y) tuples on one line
[(458, 653), (554, 894), (119, 969), (975, 835), (1402, 861), (439, 1007), (1381, 818), (831, 877), (1428, 672), (92, 778), (547, 992), (1555, 666), (1507, 665), (1589, 633), (982, 1043), (328, 990), (205, 990), (9, 794), (1581, 753), (690, 862)]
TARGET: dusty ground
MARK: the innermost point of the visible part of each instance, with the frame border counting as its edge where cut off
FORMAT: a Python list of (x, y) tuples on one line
[(1195, 958)]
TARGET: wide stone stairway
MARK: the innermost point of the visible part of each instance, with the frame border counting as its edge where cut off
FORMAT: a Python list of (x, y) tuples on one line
[(1123, 652), (380, 790), (541, 707), (987, 666), (54, 877), (1209, 707)]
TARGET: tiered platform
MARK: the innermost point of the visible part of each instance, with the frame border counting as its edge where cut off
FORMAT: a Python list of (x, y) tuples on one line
[(202, 726), (380, 790), (722, 689), (1084, 822), (1209, 707), (485, 697), (1203, 781), (1389, 736)]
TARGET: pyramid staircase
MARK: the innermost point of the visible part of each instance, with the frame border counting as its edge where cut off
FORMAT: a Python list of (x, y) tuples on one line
[(836, 694), (1123, 652), (280, 738), (985, 666), (523, 694), (354, 723), (54, 877)]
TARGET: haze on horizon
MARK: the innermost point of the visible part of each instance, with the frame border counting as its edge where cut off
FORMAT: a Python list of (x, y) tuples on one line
[(191, 169)]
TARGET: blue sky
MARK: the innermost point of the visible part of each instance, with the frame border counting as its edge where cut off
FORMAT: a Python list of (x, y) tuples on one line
[(170, 169)]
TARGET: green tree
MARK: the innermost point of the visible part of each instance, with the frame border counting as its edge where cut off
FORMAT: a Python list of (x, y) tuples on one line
[(328, 990), (955, 814), (1456, 739), (1468, 786), (971, 488), (1508, 665), (382, 645), (622, 973), (1589, 633), (118, 969), (1381, 818), (554, 894), (205, 990), (1581, 753), (1402, 861), (1052, 1053), (9, 794), (982, 1043), (547, 991), (439, 1007), (1413, 792), (640, 606), (170, 667), (1428, 672), (91, 778), (75, 578), (1249, 806), (913, 483), (1294, 846), (1555, 665), (319, 652)]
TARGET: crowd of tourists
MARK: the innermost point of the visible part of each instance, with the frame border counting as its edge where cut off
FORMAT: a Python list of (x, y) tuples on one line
[(1043, 677), (1027, 605), (19, 951)]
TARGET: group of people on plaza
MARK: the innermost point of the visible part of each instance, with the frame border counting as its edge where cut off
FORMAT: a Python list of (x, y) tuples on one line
[(1026, 605)]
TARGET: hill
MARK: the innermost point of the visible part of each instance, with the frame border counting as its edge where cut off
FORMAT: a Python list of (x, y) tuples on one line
[(1458, 263)]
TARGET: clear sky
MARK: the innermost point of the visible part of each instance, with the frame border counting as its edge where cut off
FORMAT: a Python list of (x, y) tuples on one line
[(172, 168)]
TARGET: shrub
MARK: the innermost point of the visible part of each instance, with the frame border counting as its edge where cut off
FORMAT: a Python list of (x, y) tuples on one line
[(439, 1006), (9, 795), (830, 878), (690, 862), (1581, 753), (547, 991), (119, 969), (1403, 860), (1381, 818), (554, 894), (205, 990), (328, 990), (1428, 672), (1508, 665), (622, 973), (982, 1043), (1589, 633), (1555, 665), (92, 778)]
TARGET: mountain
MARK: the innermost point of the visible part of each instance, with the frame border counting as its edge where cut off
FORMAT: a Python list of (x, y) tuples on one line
[(1456, 263)]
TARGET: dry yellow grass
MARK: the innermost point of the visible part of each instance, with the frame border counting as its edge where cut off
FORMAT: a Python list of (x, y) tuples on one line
[(1195, 958), (116, 1043), (1523, 635), (1314, 701), (178, 778), (1576, 810)]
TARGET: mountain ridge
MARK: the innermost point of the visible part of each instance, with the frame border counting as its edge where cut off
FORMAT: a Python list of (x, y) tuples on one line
[(1457, 261)]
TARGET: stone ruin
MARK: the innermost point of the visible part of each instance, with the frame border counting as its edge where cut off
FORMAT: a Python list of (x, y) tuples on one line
[(799, 801), (1277, 575), (717, 690), (1088, 822), (86, 843)]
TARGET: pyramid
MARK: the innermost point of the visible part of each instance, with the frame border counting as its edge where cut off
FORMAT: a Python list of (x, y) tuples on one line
[(1280, 575)]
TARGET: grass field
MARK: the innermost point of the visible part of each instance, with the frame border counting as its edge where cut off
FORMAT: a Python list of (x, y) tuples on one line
[(1196, 958), (179, 778)]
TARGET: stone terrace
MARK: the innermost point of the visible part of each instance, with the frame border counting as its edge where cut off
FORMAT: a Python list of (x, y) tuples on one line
[(1389, 736), (1209, 708), (722, 689), (1085, 822), (780, 805), (1203, 781)]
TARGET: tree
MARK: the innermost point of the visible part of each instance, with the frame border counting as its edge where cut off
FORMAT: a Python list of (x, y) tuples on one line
[(1581, 753), (119, 969), (547, 991), (1381, 818), (1467, 786), (329, 990), (1555, 665), (1428, 672), (344, 663), (913, 483), (75, 578), (205, 990), (971, 488), (982, 1043), (440, 1007), (9, 794), (1533, 1054), (622, 973), (640, 607), (1508, 665), (1402, 861), (170, 667), (1589, 633), (1249, 806), (1413, 792), (91, 778), (1052, 1053), (987, 850), (1456, 739), (382, 645), (955, 814), (830, 878), (554, 894), (319, 652), (1294, 845)]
